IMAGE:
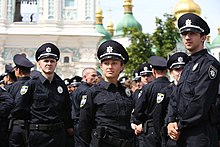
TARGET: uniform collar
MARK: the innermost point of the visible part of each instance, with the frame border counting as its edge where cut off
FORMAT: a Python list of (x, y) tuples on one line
[(107, 85), (43, 79), (198, 54), (24, 78)]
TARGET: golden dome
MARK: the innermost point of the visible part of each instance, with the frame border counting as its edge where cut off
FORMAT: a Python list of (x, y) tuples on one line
[(98, 15), (185, 6), (110, 27), (219, 30)]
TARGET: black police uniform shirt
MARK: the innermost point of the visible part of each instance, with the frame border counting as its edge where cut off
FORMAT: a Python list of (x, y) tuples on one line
[(196, 91), (43, 102), (76, 99), (6, 105), (106, 105), (146, 104), (16, 86), (161, 108)]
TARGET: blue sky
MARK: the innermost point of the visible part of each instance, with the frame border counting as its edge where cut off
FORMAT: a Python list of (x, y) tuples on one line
[(145, 12)]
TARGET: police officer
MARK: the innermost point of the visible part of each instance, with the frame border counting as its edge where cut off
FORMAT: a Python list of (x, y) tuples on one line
[(76, 81), (146, 73), (89, 77), (6, 105), (9, 76), (107, 106), (18, 136), (146, 104), (193, 123), (44, 100), (175, 65)]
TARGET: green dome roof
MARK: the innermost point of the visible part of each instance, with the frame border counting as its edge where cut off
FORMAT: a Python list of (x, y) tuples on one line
[(216, 42), (128, 21), (100, 28)]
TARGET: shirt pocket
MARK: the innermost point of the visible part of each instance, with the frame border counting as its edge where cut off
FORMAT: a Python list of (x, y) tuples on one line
[(40, 100), (189, 86), (107, 105)]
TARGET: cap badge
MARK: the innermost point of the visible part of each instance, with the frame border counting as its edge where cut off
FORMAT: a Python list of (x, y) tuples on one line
[(212, 72), (48, 49), (188, 22), (145, 68), (180, 59), (60, 89), (109, 49), (83, 101)]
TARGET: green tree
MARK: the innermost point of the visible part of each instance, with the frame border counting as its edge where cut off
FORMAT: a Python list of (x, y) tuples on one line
[(166, 35), (139, 50)]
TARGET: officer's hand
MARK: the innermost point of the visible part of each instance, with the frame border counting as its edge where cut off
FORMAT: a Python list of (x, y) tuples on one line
[(138, 129), (70, 131), (172, 130)]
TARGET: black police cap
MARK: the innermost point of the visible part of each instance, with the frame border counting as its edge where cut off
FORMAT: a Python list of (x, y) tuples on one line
[(111, 49), (136, 75), (47, 50), (177, 60), (22, 61), (158, 62), (123, 79), (76, 81), (191, 22), (145, 68), (8, 69), (67, 81)]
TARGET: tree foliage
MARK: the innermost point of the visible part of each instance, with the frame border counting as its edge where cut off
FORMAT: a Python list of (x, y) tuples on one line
[(163, 41), (139, 50), (166, 35)]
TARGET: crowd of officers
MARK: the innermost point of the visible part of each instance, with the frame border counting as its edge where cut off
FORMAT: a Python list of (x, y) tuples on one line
[(166, 103)]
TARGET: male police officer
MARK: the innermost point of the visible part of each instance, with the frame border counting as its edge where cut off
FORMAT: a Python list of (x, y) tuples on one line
[(146, 104), (89, 77), (9, 76), (175, 64), (18, 136), (192, 120), (44, 100)]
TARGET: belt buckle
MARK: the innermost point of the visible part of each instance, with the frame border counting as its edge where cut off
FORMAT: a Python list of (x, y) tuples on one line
[(37, 127)]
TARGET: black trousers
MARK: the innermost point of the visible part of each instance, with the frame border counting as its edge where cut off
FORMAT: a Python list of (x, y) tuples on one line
[(18, 137), (52, 138), (201, 135), (150, 138)]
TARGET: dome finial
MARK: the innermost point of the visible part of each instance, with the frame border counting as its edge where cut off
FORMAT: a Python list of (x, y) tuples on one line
[(219, 30), (127, 6), (110, 26), (186, 6), (98, 14)]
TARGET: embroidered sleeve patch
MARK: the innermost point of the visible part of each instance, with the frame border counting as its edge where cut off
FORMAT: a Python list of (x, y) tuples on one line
[(23, 90), (83, 101), (212, 72), (160, 97)]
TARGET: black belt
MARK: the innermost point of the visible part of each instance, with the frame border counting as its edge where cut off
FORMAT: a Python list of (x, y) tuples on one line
[(102, 133), (46, 127)]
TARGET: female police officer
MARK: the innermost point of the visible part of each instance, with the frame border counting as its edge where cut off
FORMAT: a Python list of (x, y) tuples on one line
[(106, 107)]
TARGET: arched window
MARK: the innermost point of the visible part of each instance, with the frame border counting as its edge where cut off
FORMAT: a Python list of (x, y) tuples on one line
[(66, 60)]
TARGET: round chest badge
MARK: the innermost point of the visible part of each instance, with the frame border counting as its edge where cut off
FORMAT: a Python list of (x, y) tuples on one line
[(60, 89), (128, 92)]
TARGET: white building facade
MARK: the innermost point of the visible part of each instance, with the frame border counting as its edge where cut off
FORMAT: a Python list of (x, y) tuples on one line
[(69, 24)]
